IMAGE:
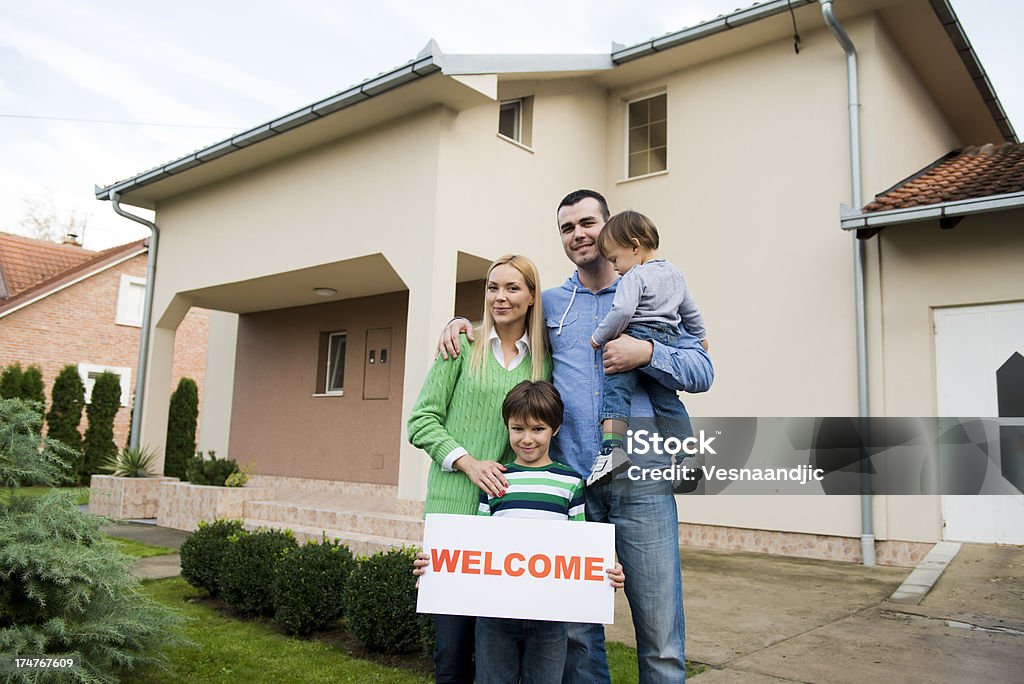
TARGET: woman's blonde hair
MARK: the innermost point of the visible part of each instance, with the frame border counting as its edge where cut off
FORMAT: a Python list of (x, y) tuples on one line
[(534, 320)]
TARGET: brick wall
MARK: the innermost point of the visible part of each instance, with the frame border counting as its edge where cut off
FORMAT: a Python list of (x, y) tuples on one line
[(76, 325)]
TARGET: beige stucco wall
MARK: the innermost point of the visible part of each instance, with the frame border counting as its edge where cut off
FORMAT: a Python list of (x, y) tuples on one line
[(280, 426), (749, 208)]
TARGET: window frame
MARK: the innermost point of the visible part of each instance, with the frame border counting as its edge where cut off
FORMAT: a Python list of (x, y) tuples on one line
[(518, 106), (127, 281), (124, 374), (331, 336), (627, 153)]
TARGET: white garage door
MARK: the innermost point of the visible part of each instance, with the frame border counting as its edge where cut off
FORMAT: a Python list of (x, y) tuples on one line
[(979, 352)]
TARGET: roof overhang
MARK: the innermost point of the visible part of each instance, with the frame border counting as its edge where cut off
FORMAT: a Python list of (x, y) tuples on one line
[(876, 220), (954, 76)]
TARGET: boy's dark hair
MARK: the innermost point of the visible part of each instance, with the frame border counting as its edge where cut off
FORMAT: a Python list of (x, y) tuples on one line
[(538, 400), (577, 196), (625, 227)]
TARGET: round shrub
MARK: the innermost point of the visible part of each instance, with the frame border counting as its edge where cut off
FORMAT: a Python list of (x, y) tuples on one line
[(202, 552), (309, 584), (380, 602), (248, 567)]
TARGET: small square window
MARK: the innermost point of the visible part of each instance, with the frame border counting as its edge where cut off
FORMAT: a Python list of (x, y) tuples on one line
[(647, 139), (510, 120), (131, 298), (335, 380)]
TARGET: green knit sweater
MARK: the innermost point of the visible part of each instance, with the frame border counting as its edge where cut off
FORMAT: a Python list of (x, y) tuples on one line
[(458, 407)]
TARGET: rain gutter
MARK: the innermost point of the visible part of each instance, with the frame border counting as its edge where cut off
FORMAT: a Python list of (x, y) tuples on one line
[(867, 531), (147, 315)]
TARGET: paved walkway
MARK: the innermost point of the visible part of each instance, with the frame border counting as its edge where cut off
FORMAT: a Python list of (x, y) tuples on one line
[(769, 619)]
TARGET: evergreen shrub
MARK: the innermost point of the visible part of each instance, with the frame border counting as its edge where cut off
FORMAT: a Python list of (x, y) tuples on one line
[(380, 602), (99, 446), (210, 470), (182, 415), (65, 588), (67, 399), (203, 552), (248, 567), (10, 381), (32, 385), (308, 586)]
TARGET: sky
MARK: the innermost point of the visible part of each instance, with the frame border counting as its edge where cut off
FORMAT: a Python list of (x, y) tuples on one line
[(98, 91)]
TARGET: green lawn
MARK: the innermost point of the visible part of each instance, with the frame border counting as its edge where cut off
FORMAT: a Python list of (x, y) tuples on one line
[(228, 649), (82, 493), (140, 550)]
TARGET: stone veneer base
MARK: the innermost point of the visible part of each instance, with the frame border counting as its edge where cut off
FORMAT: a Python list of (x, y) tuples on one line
[(823, 547), (390, 492), (125, 498), (184, 505)]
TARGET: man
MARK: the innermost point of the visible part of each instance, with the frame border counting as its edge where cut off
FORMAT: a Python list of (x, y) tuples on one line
[(644, 513)]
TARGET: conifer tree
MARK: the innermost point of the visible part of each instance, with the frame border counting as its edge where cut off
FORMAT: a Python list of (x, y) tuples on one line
[(10, 381), (32, 385), (66, 587), (99, 436), (181, 428), (67, 400)]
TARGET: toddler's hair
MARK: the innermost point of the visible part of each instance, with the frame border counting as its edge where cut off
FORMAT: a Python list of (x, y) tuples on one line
[(539, 400), (625, 227)]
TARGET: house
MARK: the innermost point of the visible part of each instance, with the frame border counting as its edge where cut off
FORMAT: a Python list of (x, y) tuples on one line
[(61, 304), (342, 236)]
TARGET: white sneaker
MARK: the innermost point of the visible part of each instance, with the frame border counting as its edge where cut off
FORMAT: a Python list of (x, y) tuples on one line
[(607, 466)]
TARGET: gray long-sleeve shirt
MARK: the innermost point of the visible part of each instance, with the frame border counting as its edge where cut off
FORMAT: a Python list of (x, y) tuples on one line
[(654, 292)]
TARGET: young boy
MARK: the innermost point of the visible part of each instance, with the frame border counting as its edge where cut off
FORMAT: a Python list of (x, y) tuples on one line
[(510, 651), (651, 302)]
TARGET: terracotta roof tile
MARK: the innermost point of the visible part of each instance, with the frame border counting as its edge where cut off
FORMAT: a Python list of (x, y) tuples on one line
[(962, 174), (25, 262)]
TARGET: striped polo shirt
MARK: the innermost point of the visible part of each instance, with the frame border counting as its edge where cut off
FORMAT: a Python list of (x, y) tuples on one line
[(550, 492)]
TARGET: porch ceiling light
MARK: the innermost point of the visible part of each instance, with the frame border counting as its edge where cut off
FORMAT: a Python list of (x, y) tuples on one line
[(324, 291)]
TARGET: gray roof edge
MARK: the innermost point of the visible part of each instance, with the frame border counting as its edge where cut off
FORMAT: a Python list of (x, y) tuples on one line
[(951, 23), (455, 65), (421, 67), (721, 23), (964, 207)]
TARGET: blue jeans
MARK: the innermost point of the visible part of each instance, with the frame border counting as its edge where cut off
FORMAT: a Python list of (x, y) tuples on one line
[(647, 544), (619, 388), (510, 651), (453, 649)]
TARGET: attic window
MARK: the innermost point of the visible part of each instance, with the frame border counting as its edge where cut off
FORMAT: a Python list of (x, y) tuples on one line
[(515, 120), (510, 120), (647, 130)]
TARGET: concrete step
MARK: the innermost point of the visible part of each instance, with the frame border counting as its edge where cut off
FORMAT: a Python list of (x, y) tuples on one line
[(358, 543), (337, 515)]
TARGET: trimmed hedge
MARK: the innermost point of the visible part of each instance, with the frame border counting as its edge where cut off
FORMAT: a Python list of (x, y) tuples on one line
[(210, 471), (248, 567), (380, 602), (309, 584), (203, 552)]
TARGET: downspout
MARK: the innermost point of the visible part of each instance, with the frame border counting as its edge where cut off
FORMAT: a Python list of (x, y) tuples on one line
[(147, 314), (867, 535)]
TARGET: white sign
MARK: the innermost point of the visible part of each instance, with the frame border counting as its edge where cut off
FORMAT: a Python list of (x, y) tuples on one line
[(518, 568)]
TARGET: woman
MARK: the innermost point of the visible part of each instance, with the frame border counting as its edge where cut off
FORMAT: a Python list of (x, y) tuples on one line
[(457, 421)]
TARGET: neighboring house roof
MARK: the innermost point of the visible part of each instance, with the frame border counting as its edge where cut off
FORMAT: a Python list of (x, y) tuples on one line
[(967, 181), (431, 60), (25, 261), (55, 280), (969, 173)]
